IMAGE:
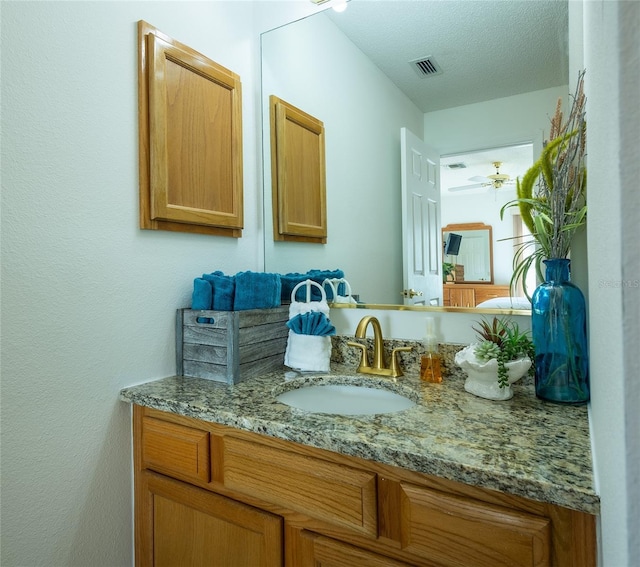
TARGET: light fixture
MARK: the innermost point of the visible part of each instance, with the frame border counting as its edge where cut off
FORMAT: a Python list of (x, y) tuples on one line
[(499, 178), (337, 5)]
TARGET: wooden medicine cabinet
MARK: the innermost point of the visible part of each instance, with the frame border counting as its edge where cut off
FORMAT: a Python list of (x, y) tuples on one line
[(190, 139), (297, 174)]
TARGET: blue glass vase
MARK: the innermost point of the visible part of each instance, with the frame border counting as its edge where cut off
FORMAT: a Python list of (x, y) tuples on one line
[(559, 332)]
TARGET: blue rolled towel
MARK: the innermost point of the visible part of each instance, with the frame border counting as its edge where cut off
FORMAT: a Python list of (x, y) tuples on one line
[(202, 296), (311, 323), (257, 290), (319, 276), (289, 281), (223, 290)]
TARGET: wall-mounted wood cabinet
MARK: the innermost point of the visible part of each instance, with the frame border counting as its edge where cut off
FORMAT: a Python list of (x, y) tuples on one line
[(297, 174), (190, 138)]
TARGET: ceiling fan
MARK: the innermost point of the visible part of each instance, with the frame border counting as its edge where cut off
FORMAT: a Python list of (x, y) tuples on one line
[(496, 181)]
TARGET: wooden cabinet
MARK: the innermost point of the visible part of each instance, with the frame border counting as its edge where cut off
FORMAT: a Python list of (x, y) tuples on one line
[(185, 525), (190, 139), (298, 183), (455, 296), (211, 494), (469, 295), (342, 495), (308, 549), (439, 526)]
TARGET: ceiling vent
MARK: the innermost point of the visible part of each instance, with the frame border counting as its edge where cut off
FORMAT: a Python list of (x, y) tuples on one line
[(426, 67), (459, 165)]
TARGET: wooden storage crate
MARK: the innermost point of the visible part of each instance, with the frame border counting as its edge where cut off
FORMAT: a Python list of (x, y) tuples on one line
[(235, 346)]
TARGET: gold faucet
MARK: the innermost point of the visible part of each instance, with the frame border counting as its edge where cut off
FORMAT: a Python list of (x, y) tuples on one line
[(379, 367)]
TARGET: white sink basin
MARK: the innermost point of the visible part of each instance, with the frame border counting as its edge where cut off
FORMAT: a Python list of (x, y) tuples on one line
[(345, 399)]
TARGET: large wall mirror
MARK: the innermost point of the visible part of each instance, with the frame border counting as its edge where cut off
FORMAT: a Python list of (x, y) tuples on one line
[(354, 71)]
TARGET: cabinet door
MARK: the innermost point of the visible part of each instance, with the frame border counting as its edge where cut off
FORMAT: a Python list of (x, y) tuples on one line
[(456, 531), (179, 524), (298, 174), (462, 297), (190, 126), (307, 549)]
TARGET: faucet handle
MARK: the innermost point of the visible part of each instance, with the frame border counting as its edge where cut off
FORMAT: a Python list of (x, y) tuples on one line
[(395, 368), (364, 359)]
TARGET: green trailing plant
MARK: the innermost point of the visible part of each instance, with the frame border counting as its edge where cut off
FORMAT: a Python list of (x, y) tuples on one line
[(552, 194), (447, 269), (503, 340)]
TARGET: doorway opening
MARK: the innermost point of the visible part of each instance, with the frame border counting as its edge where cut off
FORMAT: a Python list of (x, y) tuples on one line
[(475, 185)]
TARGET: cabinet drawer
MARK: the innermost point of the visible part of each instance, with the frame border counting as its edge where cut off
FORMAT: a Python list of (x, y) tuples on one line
[(327, 491), (458, 531), (491, 292), (172, 448)]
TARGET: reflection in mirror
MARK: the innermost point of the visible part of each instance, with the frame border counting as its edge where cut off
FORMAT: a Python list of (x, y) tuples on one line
[(473, 259), (362, 113), (315, 66)]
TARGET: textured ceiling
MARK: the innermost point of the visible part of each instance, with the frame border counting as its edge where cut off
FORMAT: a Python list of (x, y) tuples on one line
[(486, 49)]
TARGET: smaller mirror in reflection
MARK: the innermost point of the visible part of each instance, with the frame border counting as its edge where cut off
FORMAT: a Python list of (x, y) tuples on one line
[(468, 247)]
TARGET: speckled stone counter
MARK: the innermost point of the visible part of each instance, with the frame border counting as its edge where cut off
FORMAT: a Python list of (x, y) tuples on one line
[(522, 446)]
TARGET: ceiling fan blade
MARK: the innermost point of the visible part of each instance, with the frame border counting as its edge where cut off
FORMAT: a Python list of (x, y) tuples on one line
[(465, 187), (480, 179)]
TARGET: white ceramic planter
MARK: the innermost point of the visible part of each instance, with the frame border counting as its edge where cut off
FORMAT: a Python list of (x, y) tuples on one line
[(482, 377)]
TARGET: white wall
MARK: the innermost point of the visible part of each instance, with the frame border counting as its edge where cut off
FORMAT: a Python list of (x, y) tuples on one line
[(501, 122), (88, 299), (313, 66), (613, 115), (450, 327)]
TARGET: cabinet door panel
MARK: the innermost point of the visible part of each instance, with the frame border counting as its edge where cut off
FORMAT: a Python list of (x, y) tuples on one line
[(298, 174), (462, 297), (190, 138), (457, 531), (328, 491), (313, 550), (190, 526), (175, 449)]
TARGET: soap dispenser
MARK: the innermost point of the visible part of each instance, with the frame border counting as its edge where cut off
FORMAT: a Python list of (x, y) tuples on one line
[(430, 368)]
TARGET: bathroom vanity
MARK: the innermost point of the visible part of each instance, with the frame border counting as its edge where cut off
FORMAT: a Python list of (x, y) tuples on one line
[(226, 471)]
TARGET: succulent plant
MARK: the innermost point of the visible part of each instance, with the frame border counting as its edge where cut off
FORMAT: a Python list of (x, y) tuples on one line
[(503, 340), (487, 350)]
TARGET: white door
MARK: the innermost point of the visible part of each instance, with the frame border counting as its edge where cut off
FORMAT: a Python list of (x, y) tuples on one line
[(421, 234)]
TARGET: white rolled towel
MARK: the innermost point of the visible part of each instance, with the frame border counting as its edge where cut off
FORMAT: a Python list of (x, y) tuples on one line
[(308, 352)]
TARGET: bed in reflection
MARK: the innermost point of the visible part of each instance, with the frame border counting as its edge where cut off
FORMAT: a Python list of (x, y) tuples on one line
[(505, 303)]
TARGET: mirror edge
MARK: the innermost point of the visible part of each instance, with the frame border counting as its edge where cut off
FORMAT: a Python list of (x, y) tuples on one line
[(430, 308)]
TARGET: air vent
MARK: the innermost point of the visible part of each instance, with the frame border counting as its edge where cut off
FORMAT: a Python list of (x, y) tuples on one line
[(459, 165), (426, 67)]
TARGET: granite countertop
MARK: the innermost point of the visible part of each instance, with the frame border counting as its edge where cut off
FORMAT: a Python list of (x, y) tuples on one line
[(522, 446)]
